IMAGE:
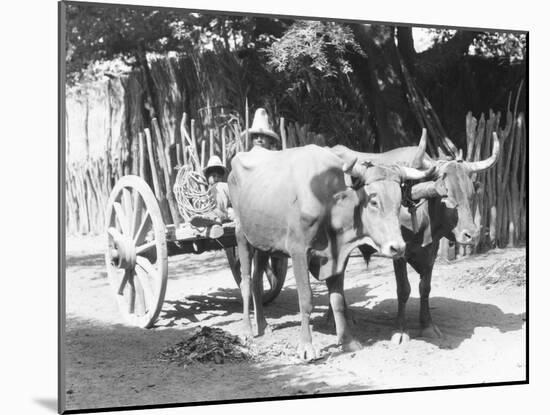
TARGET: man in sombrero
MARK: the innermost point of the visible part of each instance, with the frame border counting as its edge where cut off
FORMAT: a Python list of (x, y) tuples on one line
[(261, 134)]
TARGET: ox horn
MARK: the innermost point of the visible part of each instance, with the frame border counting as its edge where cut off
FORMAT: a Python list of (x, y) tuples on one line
[(349, 164), (479, 166), (353, 168), (409, 173), (419, 156)]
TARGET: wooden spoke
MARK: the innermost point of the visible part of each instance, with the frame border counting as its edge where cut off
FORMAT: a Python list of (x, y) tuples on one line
[(143, 228), (121, 217), (136, 217), (141, 306), (132, 294), (145, 247), (148, 294), (128, 210), (123, 282), (146, 265)]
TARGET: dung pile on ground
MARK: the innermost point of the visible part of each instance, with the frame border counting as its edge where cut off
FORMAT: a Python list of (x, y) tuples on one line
[(506, 272), (209, 344)]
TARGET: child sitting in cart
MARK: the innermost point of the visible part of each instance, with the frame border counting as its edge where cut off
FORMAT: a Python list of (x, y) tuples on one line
[(215, 174), (262, 136)]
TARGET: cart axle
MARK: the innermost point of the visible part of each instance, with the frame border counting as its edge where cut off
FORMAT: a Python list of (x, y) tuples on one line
[(123, 255)]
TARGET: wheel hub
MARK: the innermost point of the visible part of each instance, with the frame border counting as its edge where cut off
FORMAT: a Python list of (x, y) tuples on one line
[(123, 251)]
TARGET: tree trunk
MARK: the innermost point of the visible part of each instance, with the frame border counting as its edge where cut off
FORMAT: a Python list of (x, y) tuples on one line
[(405, 45), (385, 89)]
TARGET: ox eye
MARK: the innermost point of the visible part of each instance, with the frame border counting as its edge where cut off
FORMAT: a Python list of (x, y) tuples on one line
[(373, 203)]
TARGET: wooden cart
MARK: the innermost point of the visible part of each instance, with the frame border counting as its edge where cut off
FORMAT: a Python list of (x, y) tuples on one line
[(139, 244)]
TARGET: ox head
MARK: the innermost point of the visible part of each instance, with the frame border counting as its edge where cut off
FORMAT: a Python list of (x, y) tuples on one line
[(375, 202), (461, 188)]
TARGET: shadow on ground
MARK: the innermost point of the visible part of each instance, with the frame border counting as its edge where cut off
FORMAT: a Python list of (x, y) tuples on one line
[(182, 266), (118, 366), (456, 319), (91, 260)]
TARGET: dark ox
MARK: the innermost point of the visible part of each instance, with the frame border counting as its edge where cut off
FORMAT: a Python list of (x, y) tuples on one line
[(295, 203), (449, 217)]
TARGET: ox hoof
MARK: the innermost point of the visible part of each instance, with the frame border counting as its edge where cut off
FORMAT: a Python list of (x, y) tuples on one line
[(400, 338), (264, 329), (247, 332), (431, 332), (306, 352), (352, 346)]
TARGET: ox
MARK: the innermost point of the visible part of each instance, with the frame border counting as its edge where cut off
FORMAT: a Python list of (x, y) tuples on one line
[(449, 217), (295, 203)]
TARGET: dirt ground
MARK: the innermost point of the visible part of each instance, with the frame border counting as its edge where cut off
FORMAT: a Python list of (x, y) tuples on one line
[(482, 318)]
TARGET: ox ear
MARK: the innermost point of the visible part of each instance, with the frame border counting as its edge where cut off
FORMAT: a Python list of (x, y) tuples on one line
[(342, 213)]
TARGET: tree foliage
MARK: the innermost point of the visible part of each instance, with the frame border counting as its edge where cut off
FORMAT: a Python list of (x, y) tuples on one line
[(508, 46), (313, 72), (98, 33), (312, 45), (504, 45)]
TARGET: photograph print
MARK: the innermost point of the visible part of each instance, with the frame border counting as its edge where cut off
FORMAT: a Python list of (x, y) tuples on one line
[(259, 207)]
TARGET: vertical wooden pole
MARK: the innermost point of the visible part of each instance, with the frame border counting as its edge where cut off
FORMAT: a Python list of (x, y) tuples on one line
[(183, 133), (166, 170), (492, 226), (194, 141), (238, 139), (224, 132), (141, 156), (203, 153), (179, 158), (471, 124), (193, 138), (523, 172), (163, 148), (152, 164), (211, 143), (246, 142), (283, 133)]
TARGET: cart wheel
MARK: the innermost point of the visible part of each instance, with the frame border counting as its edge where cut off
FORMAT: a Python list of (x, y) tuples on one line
[(274, 275), (137, 256)]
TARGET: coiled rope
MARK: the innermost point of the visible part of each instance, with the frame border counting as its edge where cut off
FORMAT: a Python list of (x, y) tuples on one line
[(192, 193)]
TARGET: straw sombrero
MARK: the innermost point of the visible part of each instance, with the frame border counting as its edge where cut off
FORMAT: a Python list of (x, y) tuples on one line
[(260, 125), (214, 163)]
